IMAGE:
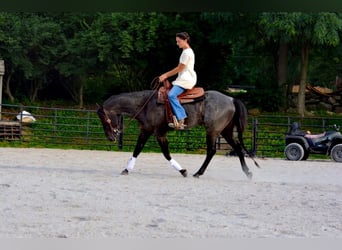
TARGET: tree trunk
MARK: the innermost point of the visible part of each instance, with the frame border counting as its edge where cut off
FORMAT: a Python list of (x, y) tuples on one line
[(35, 86), (303, 79), (71, 89), (282, 71), (8, 88), (80, 92)]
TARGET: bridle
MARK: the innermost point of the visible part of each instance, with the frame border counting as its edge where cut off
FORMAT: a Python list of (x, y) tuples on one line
[(115, 129)]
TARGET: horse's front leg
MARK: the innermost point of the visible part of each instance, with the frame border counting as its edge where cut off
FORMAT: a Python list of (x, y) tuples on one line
[(142, 139), (164, 145), (211, 151)]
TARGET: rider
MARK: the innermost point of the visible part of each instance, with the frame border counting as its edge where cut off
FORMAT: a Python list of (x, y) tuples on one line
[(186, 78)]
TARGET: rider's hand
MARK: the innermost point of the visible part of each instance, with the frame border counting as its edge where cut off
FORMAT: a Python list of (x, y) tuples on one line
[(162, 77)]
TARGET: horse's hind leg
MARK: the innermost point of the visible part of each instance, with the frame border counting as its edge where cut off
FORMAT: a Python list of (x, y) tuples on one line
[(238, 149), (211, 151)]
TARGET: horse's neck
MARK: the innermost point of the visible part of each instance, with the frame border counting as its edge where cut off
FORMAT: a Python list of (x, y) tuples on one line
[(129, 103)]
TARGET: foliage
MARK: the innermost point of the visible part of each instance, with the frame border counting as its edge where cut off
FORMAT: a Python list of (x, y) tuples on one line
[(84, 57), (303, 31), (30, 47)]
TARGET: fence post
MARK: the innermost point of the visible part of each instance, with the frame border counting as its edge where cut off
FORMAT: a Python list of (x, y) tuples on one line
[(55, 123), (2, 72), (120, 141), (88, 129), (255, 136), (187, 140)]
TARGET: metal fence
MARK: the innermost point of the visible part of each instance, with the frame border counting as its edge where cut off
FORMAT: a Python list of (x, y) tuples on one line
[(81, 129)]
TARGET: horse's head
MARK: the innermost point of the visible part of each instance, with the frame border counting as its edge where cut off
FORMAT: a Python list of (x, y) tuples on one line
[(110, 123)]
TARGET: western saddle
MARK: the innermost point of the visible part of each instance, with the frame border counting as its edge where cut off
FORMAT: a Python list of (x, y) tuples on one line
[(190, 95)]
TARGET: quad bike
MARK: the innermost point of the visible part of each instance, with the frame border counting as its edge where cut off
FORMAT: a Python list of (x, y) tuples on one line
[(299, 143)]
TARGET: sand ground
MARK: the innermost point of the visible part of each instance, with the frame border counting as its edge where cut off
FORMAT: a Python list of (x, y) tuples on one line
[(50, 193)]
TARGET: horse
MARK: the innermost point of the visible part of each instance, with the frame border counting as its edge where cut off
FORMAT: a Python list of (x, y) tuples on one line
[(220, 114)]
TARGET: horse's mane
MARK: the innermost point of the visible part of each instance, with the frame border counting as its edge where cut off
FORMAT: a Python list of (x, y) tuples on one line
[(136, 94), (128, 100)]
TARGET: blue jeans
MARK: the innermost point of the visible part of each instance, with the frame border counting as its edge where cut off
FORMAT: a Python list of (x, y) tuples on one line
[(177, 108)]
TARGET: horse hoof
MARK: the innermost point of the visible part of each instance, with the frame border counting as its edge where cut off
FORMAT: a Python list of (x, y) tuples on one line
[(196, 175), (184, 172), (249, 175), (124, 172)]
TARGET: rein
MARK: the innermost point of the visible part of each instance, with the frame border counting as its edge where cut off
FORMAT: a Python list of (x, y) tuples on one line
[(154, 86)]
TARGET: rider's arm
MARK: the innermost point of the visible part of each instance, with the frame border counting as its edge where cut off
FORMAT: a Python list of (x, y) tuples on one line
[(172, 72)]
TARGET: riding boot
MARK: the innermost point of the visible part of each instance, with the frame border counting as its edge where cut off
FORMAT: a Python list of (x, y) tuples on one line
[(173, 124), (178, 125), (181, 125)]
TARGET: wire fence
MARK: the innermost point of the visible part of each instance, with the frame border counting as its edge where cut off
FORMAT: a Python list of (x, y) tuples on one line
[(82, 129)]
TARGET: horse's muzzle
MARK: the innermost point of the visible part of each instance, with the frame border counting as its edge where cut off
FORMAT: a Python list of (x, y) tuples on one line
[(112, 138), (113, 135)]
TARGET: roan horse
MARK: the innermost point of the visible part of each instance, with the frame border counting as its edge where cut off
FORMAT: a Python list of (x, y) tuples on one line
[(218, 113)]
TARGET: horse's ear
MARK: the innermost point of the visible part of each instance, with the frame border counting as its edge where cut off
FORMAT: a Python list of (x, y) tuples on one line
[(99, 106)]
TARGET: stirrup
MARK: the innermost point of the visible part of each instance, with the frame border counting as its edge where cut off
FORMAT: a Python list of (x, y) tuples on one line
[(181, 124), (174, 124), (178, 125)]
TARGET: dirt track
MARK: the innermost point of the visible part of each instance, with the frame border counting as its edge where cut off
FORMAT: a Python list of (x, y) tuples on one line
[(81, 194)]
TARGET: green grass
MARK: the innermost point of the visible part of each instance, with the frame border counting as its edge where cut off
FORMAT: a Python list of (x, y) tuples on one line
[(81, 129)]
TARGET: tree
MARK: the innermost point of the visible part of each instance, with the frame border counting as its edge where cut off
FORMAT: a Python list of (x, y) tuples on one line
[(29, 45), (321, 29), (247, 56), (12, 50), (96, 54), (79, 60), (123, 41), (42, 42), (305, 30), (278, 29)]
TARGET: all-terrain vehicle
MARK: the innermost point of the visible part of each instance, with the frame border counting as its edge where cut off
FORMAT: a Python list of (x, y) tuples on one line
[(299, 143)]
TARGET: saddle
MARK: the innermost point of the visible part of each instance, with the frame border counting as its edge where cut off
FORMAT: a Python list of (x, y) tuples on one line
[(191, 95)]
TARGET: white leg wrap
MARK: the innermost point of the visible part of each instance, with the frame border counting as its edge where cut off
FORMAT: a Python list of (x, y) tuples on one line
[(131, 163), (175, 164)]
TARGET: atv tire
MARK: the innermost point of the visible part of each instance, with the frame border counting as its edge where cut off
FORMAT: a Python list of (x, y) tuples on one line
[(294, 152), (336, 153)]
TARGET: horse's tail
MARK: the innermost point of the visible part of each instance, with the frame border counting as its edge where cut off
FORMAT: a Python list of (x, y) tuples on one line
[(240, 116), (240, 121)]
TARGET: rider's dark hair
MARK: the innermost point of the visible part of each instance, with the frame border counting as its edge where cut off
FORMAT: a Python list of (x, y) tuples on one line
[(183, 36)]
